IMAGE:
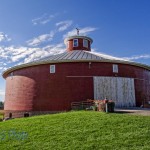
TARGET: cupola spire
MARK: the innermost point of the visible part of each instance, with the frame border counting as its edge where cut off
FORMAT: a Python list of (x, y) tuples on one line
[(77, 31)]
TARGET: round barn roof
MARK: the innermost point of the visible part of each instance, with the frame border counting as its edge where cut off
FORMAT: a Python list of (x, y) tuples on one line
[(75, 56)]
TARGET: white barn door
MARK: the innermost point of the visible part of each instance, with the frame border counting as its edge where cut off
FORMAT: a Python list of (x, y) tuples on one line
[(120, 90)]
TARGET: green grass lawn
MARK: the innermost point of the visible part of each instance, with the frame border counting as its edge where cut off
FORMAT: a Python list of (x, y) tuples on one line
[(83, 130)]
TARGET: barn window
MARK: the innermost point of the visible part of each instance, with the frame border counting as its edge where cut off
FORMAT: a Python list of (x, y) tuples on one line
[(115, 68), (85, 43), (11, 74), (75, 42), (52, 68)]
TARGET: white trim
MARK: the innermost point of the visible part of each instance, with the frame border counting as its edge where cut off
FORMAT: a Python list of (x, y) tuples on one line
[(85, 43), (52, 69), (115, 68)]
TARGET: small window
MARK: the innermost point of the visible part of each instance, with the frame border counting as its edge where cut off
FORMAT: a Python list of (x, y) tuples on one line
[(75, 42), (85, 43), (11, 74), (52, 68), (115, 68)]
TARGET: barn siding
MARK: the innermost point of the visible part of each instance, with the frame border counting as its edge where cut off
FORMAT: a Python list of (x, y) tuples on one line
[(35, 89)]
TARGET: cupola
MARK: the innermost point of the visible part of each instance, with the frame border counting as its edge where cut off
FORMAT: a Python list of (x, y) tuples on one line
[(78, 42)]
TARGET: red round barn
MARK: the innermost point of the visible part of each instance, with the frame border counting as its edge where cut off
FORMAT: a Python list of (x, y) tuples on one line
[(51, 84)]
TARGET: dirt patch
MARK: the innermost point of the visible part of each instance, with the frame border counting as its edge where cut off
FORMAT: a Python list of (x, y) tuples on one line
[(134, 111)]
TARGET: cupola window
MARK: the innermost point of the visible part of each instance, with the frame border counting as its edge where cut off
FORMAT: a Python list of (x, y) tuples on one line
[(85, 43), (75, 42)]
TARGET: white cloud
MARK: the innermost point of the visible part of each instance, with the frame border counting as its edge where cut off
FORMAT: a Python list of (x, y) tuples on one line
[(14, 55), (40, 39), (45, 18), (17, 55), (136, 57), (4, 37), (82, 31), (93, 50), (3, 68), (2, 95), (63, 25), (45, 51), (106, 56), (29, 51)]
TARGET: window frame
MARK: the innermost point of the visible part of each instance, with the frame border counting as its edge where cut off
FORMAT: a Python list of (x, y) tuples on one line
[(85, 43), (12, 74), (115, 68), (74, 43), (52, 68)]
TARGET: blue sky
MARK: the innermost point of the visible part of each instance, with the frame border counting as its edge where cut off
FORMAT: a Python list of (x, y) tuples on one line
[(31, 29)]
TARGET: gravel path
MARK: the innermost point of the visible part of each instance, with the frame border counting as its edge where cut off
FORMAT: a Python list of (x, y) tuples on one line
[(134, 111)]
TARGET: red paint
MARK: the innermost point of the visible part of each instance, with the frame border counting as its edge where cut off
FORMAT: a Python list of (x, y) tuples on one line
[(35, 89)]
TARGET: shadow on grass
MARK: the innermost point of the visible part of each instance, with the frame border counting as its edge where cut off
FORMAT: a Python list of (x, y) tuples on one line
[(122, 112)]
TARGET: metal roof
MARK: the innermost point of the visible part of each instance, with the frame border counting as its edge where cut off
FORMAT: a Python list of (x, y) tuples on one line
[(76, 56)]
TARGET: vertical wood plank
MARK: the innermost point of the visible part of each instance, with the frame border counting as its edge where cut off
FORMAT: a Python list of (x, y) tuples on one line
[(120, 90)]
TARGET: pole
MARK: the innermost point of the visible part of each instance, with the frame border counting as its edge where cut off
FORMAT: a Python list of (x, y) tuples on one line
[(106, 107)]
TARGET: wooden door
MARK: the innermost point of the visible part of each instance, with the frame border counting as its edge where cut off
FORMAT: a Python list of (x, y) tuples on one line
[(120, 90)]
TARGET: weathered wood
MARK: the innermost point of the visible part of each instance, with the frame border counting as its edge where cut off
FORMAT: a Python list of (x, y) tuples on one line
[(120, 90)]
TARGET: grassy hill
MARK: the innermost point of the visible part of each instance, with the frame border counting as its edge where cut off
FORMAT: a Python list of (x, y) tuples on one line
[(82, 130), (1, 115)]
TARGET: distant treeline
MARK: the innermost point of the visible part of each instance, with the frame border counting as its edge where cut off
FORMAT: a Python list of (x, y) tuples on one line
[(1, 104)]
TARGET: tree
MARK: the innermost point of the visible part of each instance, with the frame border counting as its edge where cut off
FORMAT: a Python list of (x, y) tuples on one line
[(1, 104)]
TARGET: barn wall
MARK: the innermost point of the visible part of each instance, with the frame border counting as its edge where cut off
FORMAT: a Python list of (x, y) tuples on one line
[(35, 89)]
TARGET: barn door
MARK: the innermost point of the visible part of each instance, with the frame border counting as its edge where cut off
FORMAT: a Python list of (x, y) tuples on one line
[(120, 90)]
